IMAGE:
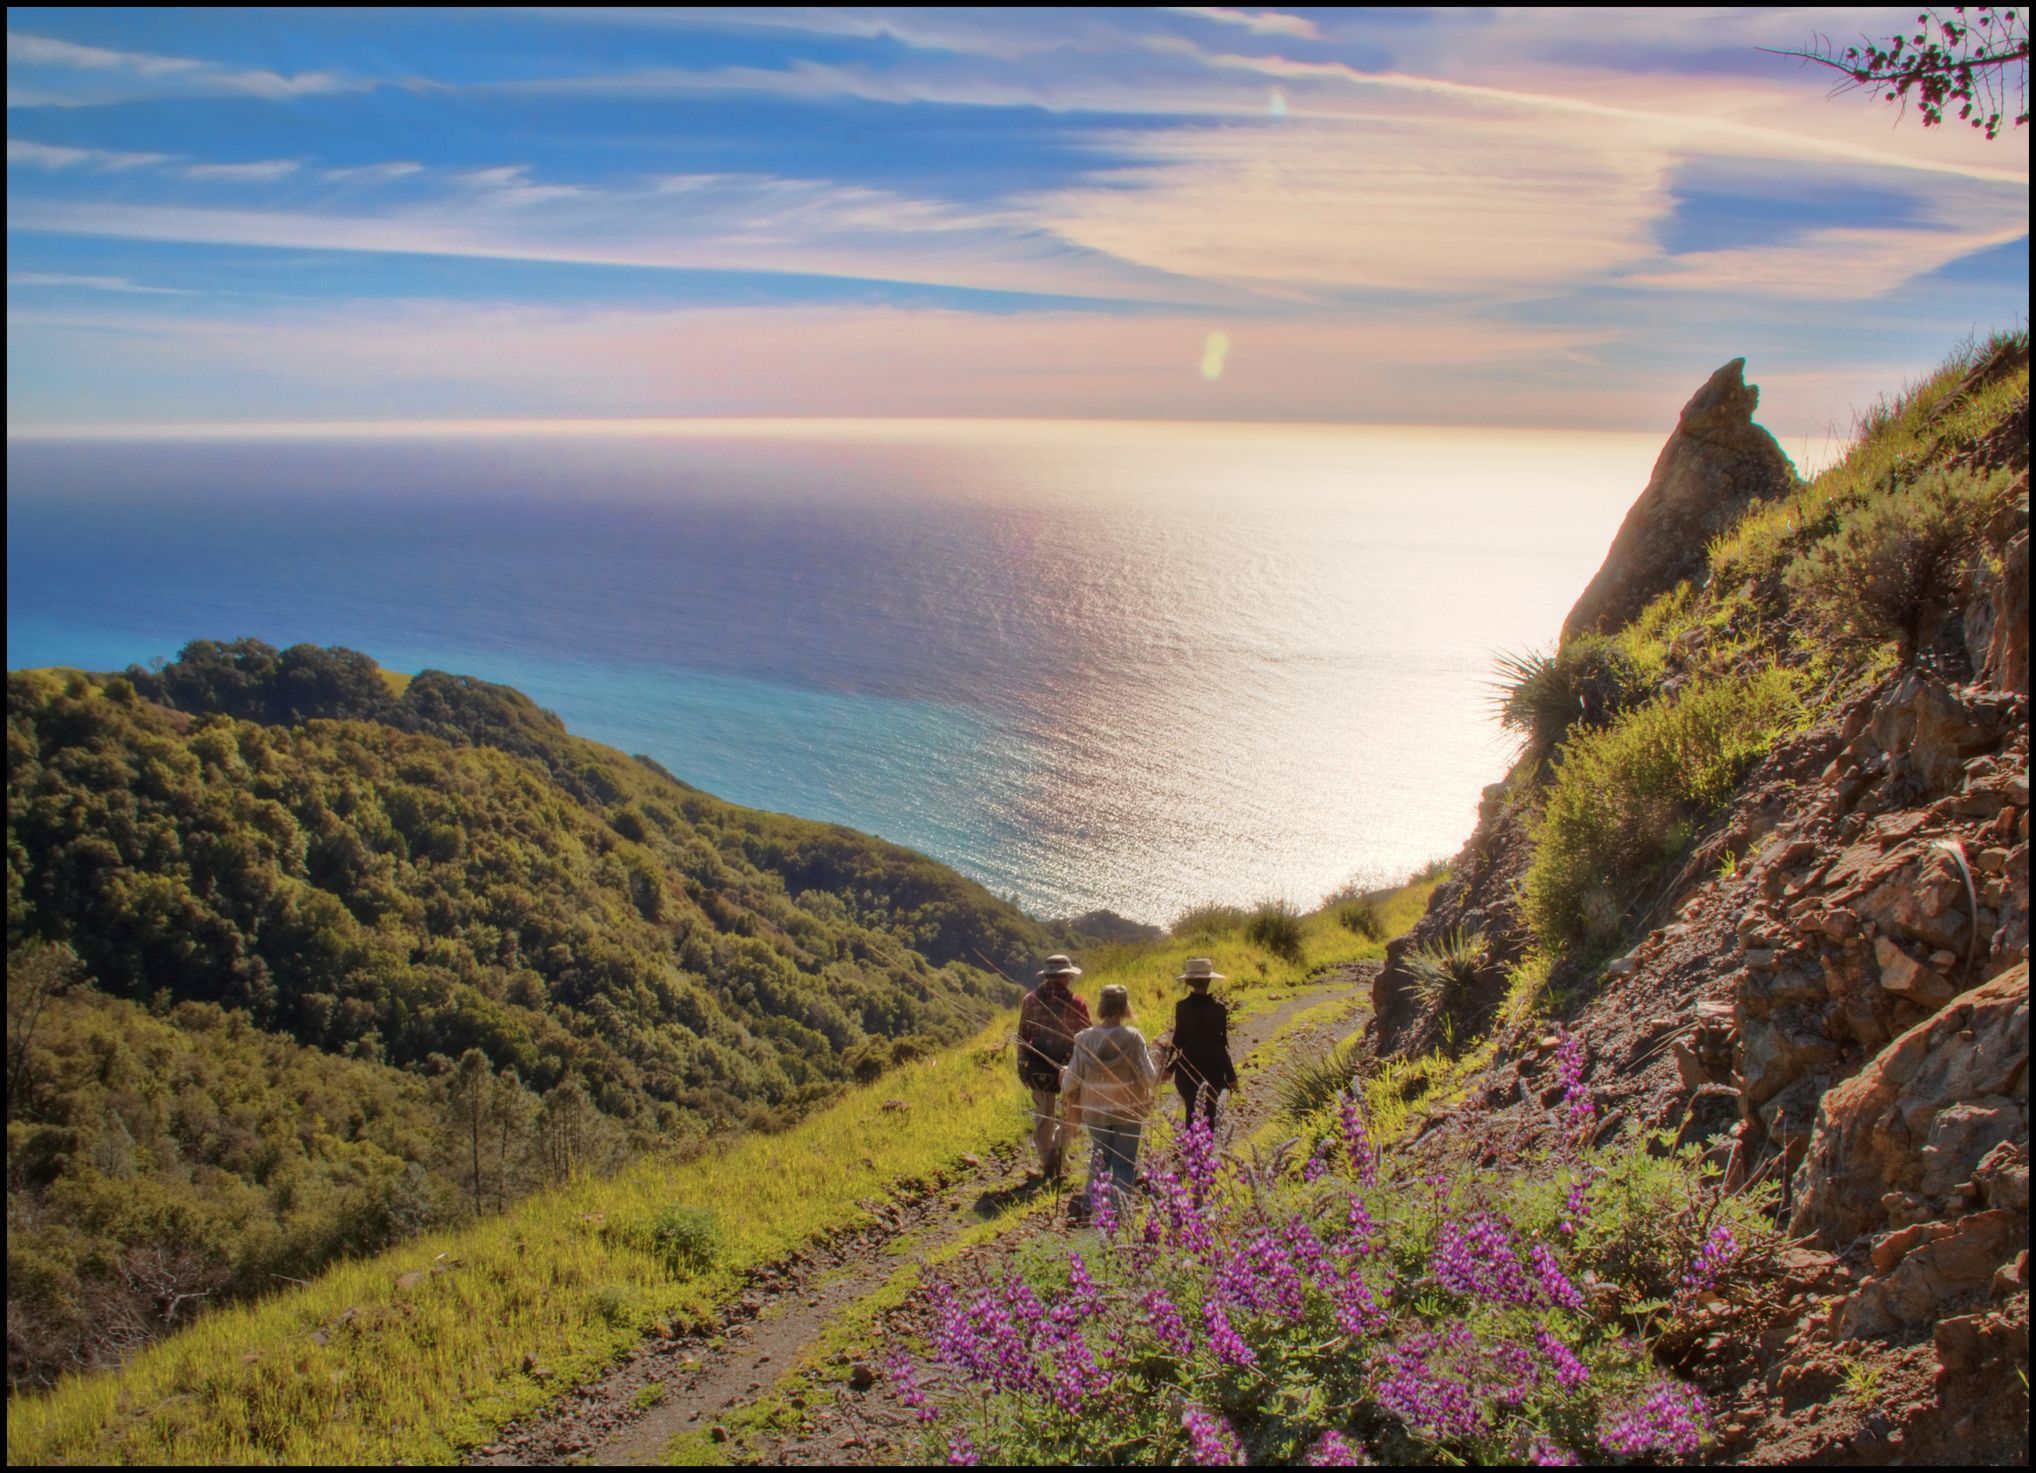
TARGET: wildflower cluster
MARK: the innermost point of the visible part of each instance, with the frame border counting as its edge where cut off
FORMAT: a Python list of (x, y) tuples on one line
[(1670, 1419), (1432, 1319), (1579, 1110), (1719, 1249)]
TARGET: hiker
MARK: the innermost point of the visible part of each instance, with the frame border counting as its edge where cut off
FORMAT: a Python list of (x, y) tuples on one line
[(1201, 1043), (1048, 1021), (1107, 1087)]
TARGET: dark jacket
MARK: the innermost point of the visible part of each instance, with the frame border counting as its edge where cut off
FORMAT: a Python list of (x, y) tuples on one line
[(1048, 1021), (1202, 1040)]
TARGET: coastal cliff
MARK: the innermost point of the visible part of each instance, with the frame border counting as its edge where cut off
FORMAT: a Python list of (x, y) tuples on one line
[(1817, 970)]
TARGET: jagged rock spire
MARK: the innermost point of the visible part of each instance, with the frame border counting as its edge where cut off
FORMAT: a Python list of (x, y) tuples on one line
[(1716, 462)]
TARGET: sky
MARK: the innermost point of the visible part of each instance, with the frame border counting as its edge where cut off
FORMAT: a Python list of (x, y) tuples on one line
[(1551, 218)]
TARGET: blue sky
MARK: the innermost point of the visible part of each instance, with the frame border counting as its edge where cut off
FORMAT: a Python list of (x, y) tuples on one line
[(1383, 216)]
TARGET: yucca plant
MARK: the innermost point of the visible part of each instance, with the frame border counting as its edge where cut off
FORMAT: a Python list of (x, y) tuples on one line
[(1543, 694), (1443, 972), (1313, 1080)]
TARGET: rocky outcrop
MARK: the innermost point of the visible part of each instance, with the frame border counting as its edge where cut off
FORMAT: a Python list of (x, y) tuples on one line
[(1997, 603), (1900, 882), (1716, 462), (1925, 1153)]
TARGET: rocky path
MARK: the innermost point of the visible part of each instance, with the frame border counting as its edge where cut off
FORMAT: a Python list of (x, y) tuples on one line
[(840, 1411)]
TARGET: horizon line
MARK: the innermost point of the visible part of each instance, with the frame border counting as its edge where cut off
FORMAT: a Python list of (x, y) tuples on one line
[(708, 426)]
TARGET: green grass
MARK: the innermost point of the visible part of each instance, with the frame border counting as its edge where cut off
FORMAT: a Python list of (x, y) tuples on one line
[(368, 1364), (1625, 801), (1895, 437)]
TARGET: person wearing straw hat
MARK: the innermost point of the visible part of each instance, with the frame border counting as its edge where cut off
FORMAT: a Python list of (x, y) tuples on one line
[(1201, 1042), (1107, 1087), (1048, 1021)]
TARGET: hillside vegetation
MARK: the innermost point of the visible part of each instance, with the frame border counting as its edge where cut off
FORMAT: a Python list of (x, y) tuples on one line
[(420, 1351), (300, 964)]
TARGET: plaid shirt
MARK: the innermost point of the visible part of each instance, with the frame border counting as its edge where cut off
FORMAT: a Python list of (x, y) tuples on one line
[(1049, 1019)]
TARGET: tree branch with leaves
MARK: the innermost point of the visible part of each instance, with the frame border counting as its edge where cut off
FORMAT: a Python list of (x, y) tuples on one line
[(1974, 59)]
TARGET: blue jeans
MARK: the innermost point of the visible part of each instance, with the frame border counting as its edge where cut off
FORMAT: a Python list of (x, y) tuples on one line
[(1116, 1153)]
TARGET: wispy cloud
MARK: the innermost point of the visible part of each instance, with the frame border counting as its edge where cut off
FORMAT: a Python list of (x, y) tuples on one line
[(264, 171), (140, 73), (1258, 22), (93, 283), (25, 154)]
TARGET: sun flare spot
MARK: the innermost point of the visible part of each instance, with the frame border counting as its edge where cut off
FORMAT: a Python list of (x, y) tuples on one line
[(1214, 351)]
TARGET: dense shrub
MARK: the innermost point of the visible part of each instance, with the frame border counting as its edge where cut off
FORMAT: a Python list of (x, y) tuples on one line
[(1542, 696), (1207, 922), (1895, 565), (1276, 926), (1361, 917), (1624, 801), (686, 1240)]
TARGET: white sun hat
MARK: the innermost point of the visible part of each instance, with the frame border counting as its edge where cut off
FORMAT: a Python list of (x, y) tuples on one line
[(1200, 969), (1059, 966)]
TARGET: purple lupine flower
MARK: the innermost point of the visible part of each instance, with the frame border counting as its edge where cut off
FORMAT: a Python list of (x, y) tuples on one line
[(1211, 1442), (1578, 1109), (1357, 1312), (1309, 1255), (1517, 1373), (1228, 1345), (1362, 1229), (1476, 1257), (1551, 1280), (1198, 1158), (1570, 1372), (961, 1453), (1314, 1168), (1432, 1403), (1102, 1201), (1363, 1159), (1575, 1207), (905, 1378), (1670, 1419), (1331, 1451), (1075, 1374), (1719, 1249), (983, 1343), (1167, 1326), (1544, 1453), (1273, 1267), (1082, 1291), (1187, 1223)]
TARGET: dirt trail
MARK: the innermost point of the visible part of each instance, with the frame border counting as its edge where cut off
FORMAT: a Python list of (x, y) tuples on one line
[(699, 1380)]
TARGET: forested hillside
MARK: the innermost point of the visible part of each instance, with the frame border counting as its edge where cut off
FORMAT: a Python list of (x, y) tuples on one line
[(303, 958)]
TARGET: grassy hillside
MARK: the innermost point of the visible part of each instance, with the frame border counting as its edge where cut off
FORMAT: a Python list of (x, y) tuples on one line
[(417, 1352), (1637, 738), (532, 954)]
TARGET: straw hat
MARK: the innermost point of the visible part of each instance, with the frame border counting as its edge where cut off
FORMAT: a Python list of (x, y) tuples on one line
[(1059, 966), (1200, 969), (1114, 1003)]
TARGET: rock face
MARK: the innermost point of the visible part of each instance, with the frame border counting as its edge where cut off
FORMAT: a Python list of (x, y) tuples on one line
[(1717, 461), (1926, 1151)]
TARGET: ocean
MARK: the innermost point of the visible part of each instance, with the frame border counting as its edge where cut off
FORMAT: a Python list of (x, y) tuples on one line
[(1134, 666)]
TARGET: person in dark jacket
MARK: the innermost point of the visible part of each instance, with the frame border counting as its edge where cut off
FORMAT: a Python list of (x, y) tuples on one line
[(1201, 1042), (1048, 1021)]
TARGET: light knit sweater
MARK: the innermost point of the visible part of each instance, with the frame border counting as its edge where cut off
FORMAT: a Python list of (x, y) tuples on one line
[(1109, 1079)]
